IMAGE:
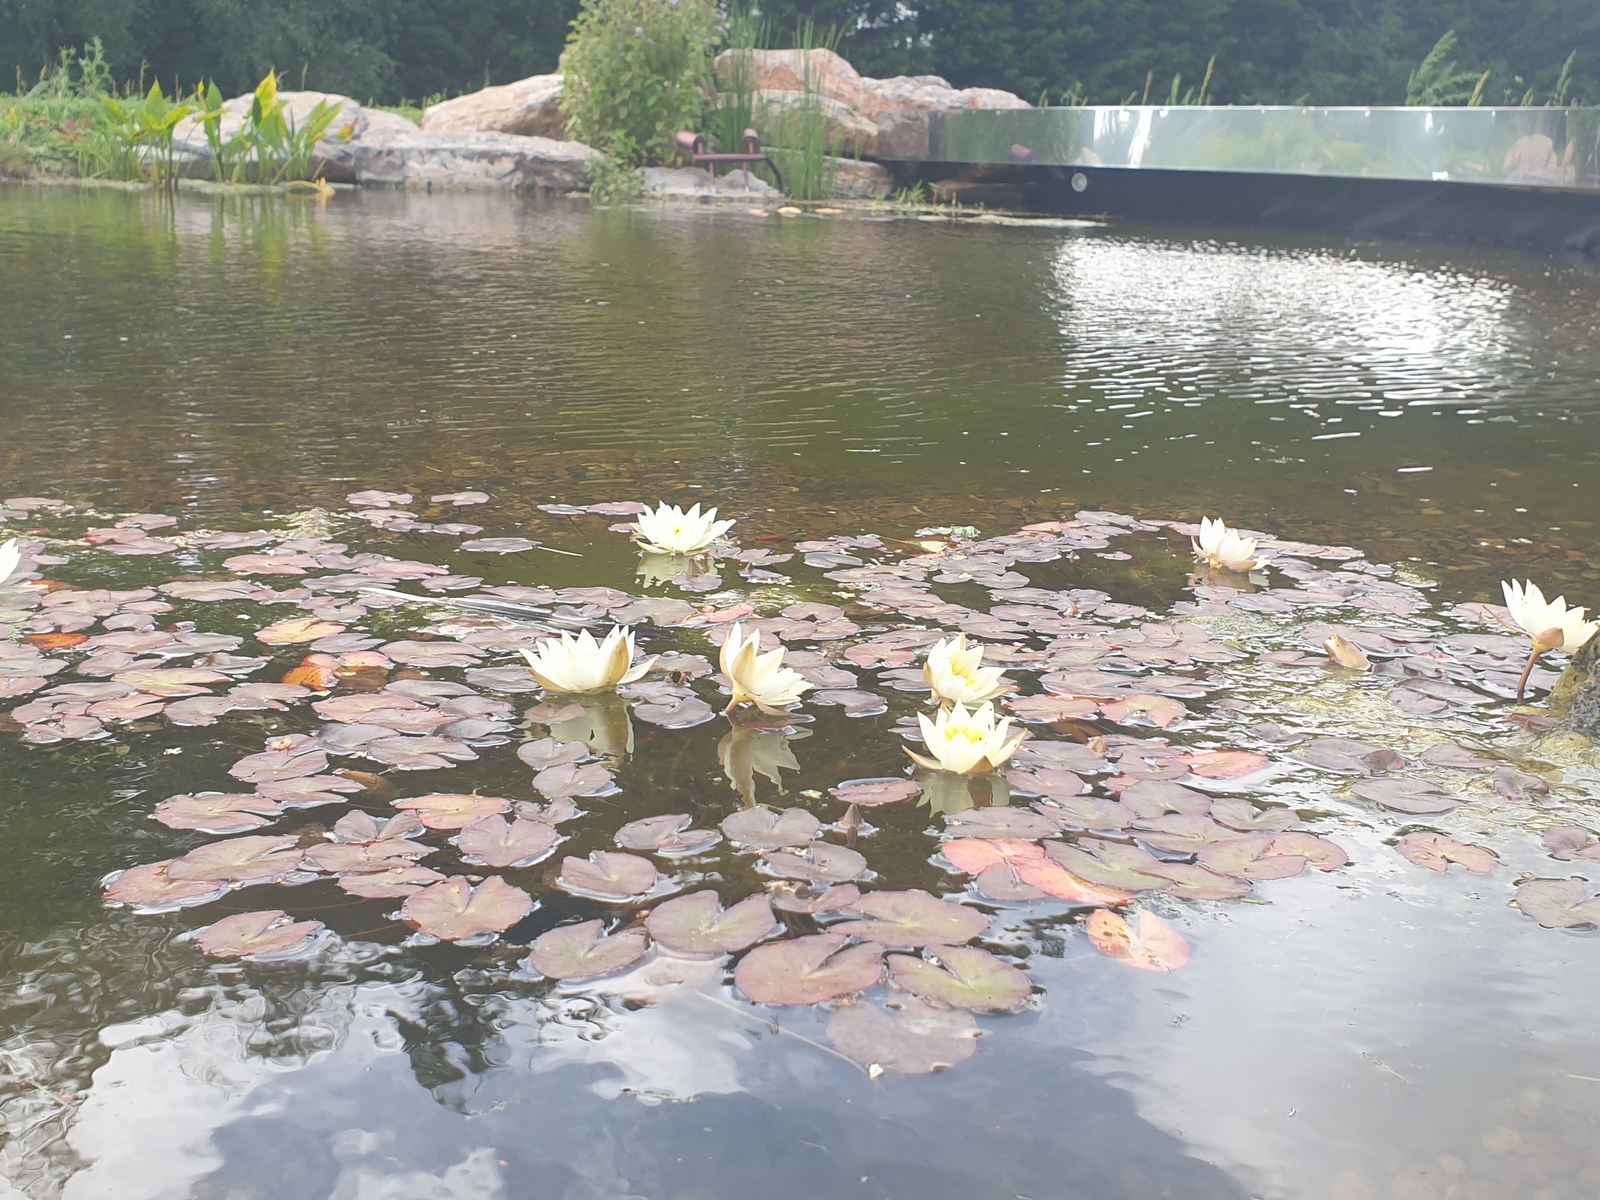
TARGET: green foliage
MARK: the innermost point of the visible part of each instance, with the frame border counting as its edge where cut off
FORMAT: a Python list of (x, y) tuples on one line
[(80, 73), (1438, 80), (615, 179), (134, 138), (637, 72)]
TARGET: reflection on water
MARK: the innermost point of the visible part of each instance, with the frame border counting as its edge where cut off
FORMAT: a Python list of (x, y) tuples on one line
[(1378, 1031)]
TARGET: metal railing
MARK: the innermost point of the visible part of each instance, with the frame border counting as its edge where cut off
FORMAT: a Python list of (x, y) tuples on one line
[(1529, 147)]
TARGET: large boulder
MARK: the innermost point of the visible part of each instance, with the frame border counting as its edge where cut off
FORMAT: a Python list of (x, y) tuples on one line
[(695, 184), (530, 107), (857, 179), (354, 123), (432, 159), (874, 118)]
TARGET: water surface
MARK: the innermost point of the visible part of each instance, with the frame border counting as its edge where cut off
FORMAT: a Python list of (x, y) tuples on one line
[(240, 364)]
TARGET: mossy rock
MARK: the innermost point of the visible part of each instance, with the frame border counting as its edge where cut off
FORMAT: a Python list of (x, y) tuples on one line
[(1576, 697)]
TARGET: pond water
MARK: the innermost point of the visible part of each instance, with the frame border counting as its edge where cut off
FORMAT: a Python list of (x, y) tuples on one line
[(1406, 425)]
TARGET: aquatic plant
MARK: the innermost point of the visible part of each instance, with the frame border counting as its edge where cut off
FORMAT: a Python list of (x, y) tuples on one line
[(757, 678), (1549, 624), (668, 529), (134, 139), (580, 665), (955, 672), (966, 741), (1225, 549)]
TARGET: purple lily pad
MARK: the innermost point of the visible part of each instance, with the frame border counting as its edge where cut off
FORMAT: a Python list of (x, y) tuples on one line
[(150, 888), (1406, 795), (1558, 903), (256, 934), (667, 834), (251, 859), (1436, 852), (1351, 757), (808, 970), (697, 924), (455, 910), (909, 1037), (1000, 823), (763, 828), (453, 810), (962, 977), (608, 876), (568, 779), (217, 812), (819, 862), (494, 842), (869, 793), (1248, 858), (812, 900), (392, 882), (303, 758), (913, 918), (585, 950)]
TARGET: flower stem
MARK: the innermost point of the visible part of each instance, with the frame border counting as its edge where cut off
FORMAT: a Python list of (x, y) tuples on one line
[(1522, 683)]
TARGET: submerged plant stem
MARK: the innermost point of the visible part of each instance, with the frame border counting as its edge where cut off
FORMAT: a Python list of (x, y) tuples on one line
[(777, 1028)]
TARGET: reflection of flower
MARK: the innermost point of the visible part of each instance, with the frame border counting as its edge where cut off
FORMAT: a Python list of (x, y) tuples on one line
[(947, 793), (756, 678), (954, 673), (1550, 623), (967, 741), (670, 530), (1225, 548), (661, 568), (746, 751), (602, 724), (10, 557), (581, 665)]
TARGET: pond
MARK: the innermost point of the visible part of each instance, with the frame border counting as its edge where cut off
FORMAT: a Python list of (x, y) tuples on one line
[(304, 480)]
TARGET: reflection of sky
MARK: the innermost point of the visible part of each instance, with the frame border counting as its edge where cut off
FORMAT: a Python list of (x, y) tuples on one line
[(1362, 1026)]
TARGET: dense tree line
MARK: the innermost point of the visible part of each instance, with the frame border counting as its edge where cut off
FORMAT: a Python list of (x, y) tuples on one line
[(1322, 51)]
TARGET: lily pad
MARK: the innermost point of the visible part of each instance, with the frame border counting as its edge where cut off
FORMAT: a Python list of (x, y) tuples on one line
[(569, 779), (1020, 823), (608, 876), (909, 1036), (494, 842), (1112, 864), (1248, 858), (668, 834), (1568, 842), (585, 950), (1436, 852), (1029, 865), (455, 910), (303, 758), (1351, 757), (255, 934), (1558, 903), (385, 854), (808, 970), (819, 862), (171, 681), (697, 924), (392, 882), (250, 859), (1196, 883), (962, 977), (298, 629), (871, 792), (149, 887), (788, 898), (763, 828), (1150, 945), (1406, 795), (453, 810), (913, 918), (217, 812)]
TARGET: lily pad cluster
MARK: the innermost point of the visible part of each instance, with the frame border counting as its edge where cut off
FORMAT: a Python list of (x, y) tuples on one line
[(1136, 800)]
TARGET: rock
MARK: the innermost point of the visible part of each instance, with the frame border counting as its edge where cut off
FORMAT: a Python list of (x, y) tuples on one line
[(530, 107), (854, 179), (692, 183), (433, 159), (336, 155), (875, 118), (1576, 696), (1533, 159)]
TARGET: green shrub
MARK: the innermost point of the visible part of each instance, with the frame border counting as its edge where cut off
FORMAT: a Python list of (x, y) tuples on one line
[(637, 72)]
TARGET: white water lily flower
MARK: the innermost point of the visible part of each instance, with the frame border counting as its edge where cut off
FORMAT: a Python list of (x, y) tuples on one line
[(967, 741), (580, 665), (669, 530), (10, 557), (756, 678), (1551, 624), (954, 673), (1225, 548)]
